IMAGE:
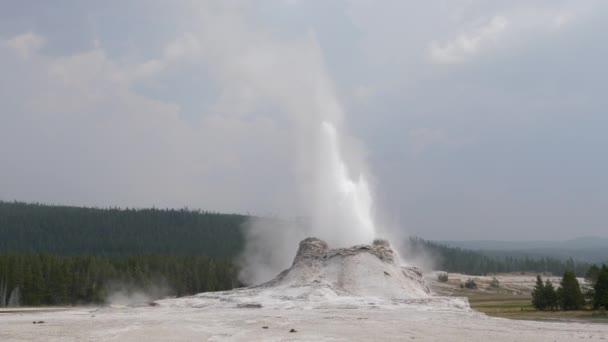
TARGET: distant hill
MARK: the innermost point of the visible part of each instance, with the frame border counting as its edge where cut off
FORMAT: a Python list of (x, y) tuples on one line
[(590, 249), (63, 230), (586, 242)]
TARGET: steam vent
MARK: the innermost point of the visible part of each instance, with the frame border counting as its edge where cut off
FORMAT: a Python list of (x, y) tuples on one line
[(362, 270)]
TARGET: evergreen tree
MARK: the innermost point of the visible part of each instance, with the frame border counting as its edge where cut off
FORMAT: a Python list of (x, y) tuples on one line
[(570, 295), (538, 294), (45, 279), (550, 296), (592, 274), (600, 296)]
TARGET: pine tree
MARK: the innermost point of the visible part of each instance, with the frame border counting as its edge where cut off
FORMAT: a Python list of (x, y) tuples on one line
[(600, 296), (550, 296), (538, 294), (570, 295), (592, 274)]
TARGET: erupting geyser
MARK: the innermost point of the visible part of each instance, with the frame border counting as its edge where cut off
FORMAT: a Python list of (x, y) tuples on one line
[(323, 277), (344, 207)]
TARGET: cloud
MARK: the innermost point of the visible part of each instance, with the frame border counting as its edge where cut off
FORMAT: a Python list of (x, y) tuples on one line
[(106, 143), (102, 143), (185, 47), (468, 44), (197, 104), (25, 44), (480, 34)]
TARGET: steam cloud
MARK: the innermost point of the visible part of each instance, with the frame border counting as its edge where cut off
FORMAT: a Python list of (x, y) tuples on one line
[(336, 199)]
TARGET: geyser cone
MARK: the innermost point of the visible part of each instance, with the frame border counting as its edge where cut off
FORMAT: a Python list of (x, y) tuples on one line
[(320, 277), (362, 270)]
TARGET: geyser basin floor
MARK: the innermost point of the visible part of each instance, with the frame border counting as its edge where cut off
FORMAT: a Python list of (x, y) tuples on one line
[(362, 324)]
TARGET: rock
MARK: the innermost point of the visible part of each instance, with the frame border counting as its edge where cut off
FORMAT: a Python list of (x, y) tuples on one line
[(311, 248), (293, 330), (264, 327), (249, 306)]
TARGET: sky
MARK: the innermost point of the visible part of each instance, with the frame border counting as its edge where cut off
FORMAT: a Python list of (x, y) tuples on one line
[(474, 119)]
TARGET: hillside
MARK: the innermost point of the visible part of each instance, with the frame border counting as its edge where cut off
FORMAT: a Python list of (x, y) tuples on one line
[(63, 230), (73, 231), (592, 249)]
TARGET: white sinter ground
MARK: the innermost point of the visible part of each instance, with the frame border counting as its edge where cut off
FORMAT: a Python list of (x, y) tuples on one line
[(348, 294)]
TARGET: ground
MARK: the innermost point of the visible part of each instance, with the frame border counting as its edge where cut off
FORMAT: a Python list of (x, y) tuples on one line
[(343, 320), (162, 324)]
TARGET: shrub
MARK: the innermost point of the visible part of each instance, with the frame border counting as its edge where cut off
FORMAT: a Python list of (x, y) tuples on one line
[(600, 313), (495, 283), (470, 284), (442, 277)]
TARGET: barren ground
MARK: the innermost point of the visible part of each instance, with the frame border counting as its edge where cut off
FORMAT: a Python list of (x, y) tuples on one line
[(210, 317)]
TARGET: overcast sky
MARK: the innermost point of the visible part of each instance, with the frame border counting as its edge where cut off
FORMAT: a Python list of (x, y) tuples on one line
[(478, 119)]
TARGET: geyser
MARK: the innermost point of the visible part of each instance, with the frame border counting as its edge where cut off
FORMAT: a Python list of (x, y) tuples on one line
[(343, 214), (329, 189), (339, 206), (358, 276)]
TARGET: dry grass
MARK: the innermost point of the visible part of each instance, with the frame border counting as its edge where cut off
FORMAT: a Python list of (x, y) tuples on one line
[(511, 306), (514, 302)]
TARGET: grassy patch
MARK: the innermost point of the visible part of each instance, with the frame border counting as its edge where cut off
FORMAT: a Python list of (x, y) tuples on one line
[(520, 307), (511, 299)]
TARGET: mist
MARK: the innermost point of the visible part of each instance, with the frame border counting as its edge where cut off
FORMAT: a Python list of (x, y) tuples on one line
[(333, 193)]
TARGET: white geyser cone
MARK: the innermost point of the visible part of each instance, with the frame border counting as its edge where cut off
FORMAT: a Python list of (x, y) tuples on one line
[(361, 276), (361, 271)]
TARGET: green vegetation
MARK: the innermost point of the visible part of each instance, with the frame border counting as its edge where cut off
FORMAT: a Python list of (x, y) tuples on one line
[(61, 230), (508, 304), (442, 277), (567, 297), (456, 260), (570, 296), (53, 255), (503, 305), (600, 289), (43, 279), (470, 284), (544, 296)]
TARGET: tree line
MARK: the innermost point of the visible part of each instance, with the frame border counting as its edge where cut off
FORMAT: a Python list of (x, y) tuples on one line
[(63, 230), (457, 260), (43, 279), (569, 295)]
